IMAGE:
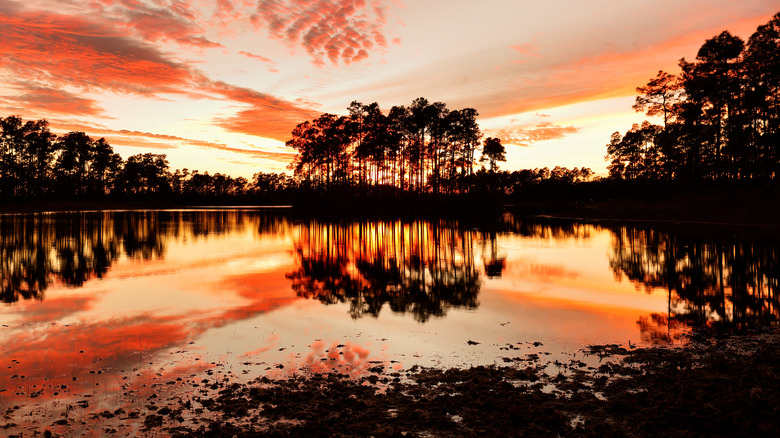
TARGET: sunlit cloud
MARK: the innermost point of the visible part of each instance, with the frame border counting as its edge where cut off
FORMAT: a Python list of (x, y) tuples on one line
[(528, 136), (53, 309), (32, 98), (250, 67), (253, 56), (340, 31), (148, 140), (263, 292), (527, 49), (58, 350), (613, 71), (64, 51), (174, 21), (261, 115)]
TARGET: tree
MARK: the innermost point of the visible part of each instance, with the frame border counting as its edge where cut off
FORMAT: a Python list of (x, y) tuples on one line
[(635, 155), (721, 114), (424, 147), (146, 174), (105, 168), (39, 155), (11, 144), (712, 83), (658, 96), (762, 91), (76, 150), (493, 151)]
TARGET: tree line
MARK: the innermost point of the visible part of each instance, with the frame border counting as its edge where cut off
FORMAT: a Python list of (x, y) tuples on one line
[(422, 148), (37, 164), (720, 115)]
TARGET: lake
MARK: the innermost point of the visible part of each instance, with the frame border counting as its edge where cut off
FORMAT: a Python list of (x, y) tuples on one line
[(101, 309)]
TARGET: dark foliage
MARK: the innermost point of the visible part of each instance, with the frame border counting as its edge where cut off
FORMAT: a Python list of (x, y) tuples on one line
[(721, 116)]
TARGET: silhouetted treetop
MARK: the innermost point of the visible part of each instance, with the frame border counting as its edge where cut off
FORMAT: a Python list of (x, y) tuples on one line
[(721, 115), (424, 147)]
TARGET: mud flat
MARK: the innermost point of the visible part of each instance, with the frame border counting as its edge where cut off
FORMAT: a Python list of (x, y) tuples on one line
[(714, 386)]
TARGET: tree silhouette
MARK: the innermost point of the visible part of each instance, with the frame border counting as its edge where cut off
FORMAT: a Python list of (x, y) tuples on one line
[(424, 148), (659, 96), (493, 151), (145, 174), (721, 115)]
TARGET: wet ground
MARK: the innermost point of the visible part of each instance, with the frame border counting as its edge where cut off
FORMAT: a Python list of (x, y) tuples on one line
[(714, 386)]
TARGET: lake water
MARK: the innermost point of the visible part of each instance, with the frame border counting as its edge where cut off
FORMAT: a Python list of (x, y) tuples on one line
[(114, 305)]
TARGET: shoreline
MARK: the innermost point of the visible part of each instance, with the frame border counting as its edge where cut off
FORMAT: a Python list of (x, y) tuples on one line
[(715, 385), (671, 212)]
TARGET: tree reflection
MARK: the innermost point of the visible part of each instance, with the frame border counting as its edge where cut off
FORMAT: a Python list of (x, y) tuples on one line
[(37, 250), (720, 281), (419, 267)]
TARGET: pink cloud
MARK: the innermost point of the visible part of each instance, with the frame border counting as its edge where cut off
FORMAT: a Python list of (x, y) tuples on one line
[(614, 72), (148, 140), (53, 52), (337, 30), (541, 132), (263, 115), (527, 49), (37, 98), (62, 50), (174, 21), (253, 56)]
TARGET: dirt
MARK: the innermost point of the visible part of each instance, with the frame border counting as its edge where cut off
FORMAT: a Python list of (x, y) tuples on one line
[(714, 386)]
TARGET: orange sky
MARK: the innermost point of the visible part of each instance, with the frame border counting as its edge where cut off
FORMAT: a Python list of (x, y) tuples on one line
[(218, 85)]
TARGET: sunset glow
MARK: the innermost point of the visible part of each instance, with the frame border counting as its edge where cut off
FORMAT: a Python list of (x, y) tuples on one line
[(218, 86)]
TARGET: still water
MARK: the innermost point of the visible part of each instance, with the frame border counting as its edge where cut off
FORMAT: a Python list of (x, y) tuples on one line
[(111, 304)]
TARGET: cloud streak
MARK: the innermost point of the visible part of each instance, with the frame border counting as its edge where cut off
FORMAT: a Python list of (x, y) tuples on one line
[(62, 51), (31, 97), (53, 52), (260, 114), (541, 132), (149, 140)]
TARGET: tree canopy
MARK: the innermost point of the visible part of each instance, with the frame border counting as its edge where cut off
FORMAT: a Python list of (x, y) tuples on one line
[(424, 147), (721, 115), (37, 164)]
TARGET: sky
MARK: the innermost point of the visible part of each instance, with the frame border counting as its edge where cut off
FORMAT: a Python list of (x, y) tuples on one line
[(219, 85)]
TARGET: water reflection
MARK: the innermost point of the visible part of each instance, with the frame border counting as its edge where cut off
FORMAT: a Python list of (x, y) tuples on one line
[(419, 267), (37, 250), (123, 306), (721, 281)]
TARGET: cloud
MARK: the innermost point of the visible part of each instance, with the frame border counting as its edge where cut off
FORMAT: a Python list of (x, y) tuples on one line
[(175, 21), (52, 352), (262, 292), (148, 140), (52, 52), (527, 49), (340, 31), (589, 61), (262, 115), (59, 51), (528, 136), (253, 56), (53, 309), (33, 98)]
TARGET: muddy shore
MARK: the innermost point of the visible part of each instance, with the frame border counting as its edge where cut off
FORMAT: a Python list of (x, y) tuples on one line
[(714, 386)]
